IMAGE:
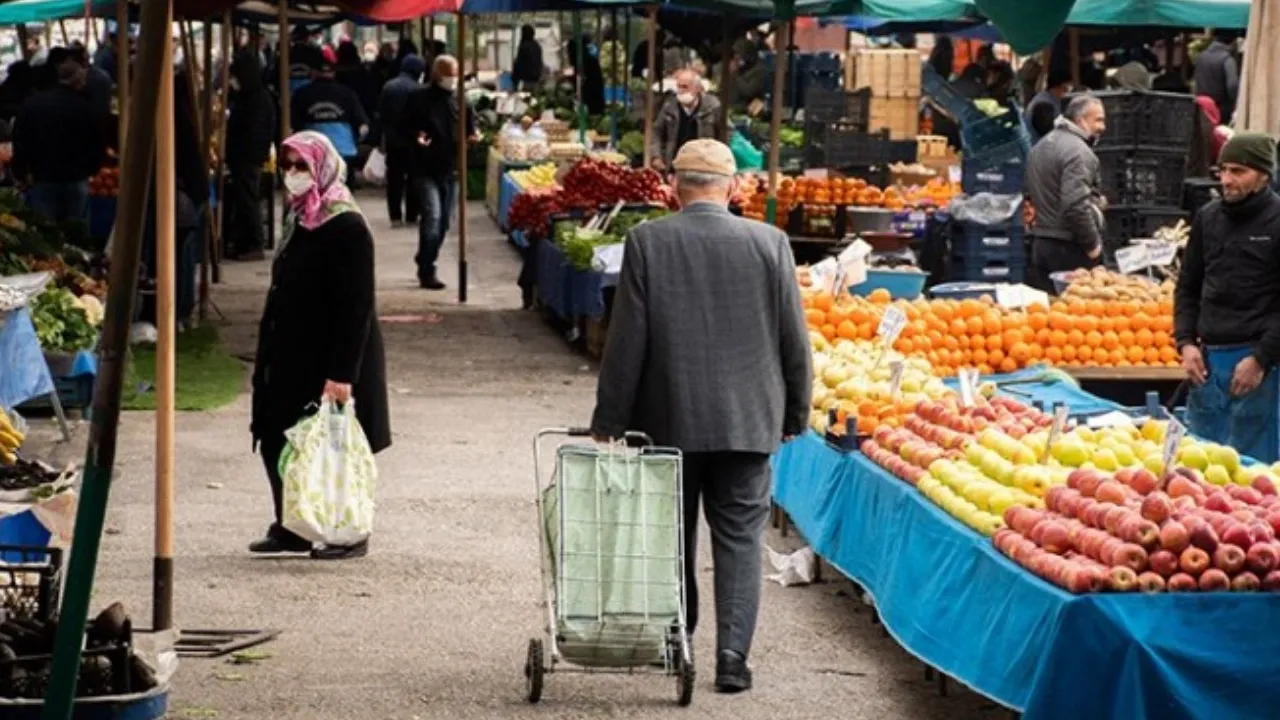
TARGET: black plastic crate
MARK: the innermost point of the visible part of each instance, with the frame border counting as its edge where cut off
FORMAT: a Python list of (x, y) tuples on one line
[(1198, 192), (998, 271), (1000, 178), (1158, 119), (999, 139), (1124, 223), (30, 582), (822, 105), (75, 393), (845, 145), (971, 241), (1134, 175)]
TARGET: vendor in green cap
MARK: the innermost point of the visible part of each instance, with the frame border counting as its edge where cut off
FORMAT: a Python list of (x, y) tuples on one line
[(1227, 305)]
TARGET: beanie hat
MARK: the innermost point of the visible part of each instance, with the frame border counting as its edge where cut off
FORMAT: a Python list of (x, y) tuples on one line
[(1251, 149), (412, 65)]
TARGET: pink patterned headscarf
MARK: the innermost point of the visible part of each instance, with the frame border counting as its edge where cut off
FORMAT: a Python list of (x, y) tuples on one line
[(329, 196)]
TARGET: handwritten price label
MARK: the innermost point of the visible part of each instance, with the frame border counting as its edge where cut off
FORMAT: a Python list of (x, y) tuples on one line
[(1173, 435), (1055, 431), (891, 325), (895, 378), (967, 378)]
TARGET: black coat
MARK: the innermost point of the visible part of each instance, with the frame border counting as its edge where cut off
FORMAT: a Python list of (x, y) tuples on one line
[(252, 124), (320, 323), (434, 112)]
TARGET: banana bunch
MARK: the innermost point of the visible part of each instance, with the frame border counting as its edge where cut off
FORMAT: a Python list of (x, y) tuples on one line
[(10, 440), (538, 176)]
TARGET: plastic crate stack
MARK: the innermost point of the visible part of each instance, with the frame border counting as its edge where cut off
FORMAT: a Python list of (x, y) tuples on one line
[(826, 108), (1143, 158), (804, 70), (853, 151), (893, 79), (988, 253), (995, 148)]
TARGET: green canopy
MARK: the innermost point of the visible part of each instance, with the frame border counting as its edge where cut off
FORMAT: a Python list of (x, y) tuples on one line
[(922, 11), (1031, 25), (32, 11)]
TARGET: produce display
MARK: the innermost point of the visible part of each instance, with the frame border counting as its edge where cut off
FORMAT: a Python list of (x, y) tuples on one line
[(23, 474), (824, 195), (1100, 283), (11, 438), (106, 183), (32, 243), (538, 176), (579, 242), (65, 323), (589, 185), (853, 381)]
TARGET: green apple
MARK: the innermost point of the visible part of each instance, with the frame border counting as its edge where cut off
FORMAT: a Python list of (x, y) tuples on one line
[(1217, 475), (1224, 455), (1125, 456), (1193, 456), (1105, 459), (1155, 463), (1071, 451)]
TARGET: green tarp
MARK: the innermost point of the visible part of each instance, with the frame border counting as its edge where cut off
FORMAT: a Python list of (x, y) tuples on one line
[(1030, 25), (32, 11)]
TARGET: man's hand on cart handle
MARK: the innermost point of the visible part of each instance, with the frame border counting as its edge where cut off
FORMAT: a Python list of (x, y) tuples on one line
[(1193, 363), (1247, 376)]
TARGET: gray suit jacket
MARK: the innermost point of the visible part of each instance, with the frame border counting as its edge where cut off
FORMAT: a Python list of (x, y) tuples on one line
[(707, 348)]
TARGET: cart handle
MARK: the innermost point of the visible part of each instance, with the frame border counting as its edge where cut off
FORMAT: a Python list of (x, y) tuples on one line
[(581, 432)]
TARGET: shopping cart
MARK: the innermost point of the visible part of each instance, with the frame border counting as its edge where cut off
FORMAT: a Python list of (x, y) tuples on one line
[(611, 535)]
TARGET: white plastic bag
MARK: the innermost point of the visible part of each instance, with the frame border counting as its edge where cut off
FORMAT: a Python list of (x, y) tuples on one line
[(329, 477), (375, 168)]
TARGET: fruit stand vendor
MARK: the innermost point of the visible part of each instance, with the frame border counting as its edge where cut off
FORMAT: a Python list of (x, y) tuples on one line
[(1227, 305)]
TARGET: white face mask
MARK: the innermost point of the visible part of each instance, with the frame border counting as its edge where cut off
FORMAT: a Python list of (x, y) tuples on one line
[(686, 99), (298, 183), (449, 83), (234, 83)]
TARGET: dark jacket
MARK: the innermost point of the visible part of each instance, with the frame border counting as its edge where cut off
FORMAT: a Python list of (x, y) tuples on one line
[(528, 64), (1229, 289), (99, 87), (592, 75), (1042, 112), (331, 108), (666, 128), (434, 111), (1063, 182), (391, 111), (252, 124), (734, 376), (57, 137), (1218, 76), (320, 323)]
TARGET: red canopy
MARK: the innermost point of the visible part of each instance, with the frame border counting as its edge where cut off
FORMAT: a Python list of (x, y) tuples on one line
[(380, 10)]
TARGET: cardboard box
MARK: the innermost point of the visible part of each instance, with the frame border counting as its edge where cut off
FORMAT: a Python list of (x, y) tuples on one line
[(900, 115), (889, 73)]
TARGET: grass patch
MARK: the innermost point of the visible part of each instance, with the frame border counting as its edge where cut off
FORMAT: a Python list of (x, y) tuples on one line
[(208, 377)]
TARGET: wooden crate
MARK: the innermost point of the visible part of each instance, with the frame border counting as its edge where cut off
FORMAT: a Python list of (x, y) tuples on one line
[(900, 115), (932, 146), (889, 73)]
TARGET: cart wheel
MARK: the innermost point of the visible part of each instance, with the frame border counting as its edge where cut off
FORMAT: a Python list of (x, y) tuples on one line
[(684, 679), (533, 671)]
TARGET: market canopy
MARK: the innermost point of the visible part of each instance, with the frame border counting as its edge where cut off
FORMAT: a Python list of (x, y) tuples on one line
[(33, 11), (1030, 26), (380, 10)]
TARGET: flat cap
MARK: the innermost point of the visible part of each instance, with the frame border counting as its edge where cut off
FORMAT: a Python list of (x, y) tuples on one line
[(705, 155)]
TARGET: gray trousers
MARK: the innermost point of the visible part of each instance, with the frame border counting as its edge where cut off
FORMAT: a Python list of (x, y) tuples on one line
[(733, 488)]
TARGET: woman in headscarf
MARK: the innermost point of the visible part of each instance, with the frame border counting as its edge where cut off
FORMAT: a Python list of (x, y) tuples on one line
[(319, 336), (526, 72)]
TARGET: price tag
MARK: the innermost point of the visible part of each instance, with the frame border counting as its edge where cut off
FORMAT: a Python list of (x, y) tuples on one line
[(1162, 254), (1132, 259), (1173, 435), (891, 324), (895, 378), (965, 376), (824, 274), (1055, 430)]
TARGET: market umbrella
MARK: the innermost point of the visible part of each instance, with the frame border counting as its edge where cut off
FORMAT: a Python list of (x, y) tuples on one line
[(1258, 108)]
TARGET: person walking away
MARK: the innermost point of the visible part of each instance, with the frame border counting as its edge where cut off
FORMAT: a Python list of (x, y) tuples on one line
[(319, 335), (1217, 74), (251, 128), (1063, 185), (57, 144), (397, 143), (690, 115), (725, 384), (1227, 305), (592, 75), (1046, 106), (352, 73), (331, 109), (526, 72), (432, 122)]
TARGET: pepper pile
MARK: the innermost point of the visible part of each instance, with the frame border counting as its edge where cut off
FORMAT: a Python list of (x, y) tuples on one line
[(590, 185)]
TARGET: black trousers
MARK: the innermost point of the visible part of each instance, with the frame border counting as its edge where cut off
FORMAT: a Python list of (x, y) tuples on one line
[(243, 212), (733, 490), (1049, 255), (269, 448), (399, 189)]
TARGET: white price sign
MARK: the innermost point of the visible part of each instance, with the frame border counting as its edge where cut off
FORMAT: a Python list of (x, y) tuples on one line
[(1132, 259), (1173, 435), (895, 378), (826, 274), (1055, 430), (1162, 254), (967, 378), (891, 324)]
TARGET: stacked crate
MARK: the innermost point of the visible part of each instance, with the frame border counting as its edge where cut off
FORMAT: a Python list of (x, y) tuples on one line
[(893, 78), (988, 253), (1142, 157)]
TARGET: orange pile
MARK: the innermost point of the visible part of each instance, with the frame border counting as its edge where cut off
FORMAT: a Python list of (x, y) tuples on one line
[(953, 334), (797, 191)]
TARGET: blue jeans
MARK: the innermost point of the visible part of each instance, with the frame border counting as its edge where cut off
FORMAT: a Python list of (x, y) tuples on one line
[(1249, 423), (60, 201), (436, 199)]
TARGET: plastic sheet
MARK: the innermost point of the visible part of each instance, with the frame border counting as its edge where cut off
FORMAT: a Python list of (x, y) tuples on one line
[(23, 372), (985, 208), (569, 293), (952, 600)]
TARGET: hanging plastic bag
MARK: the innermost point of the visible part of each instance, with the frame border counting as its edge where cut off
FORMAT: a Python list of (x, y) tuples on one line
[(329, 477), (744, 153), (375, 168)]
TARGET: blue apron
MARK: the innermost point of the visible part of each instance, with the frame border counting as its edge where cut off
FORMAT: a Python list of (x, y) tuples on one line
[(1251, 423)]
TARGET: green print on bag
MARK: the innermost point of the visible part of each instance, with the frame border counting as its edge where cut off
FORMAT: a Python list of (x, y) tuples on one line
[(329, 477)]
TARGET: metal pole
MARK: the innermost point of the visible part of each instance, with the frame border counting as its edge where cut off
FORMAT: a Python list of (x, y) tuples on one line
[(282, 19), (726, 56), (210, 228), (166, 332), (626, 75), (224, 83), (463, 141), (1073, 53), (782, 39), (156, 19), (650, 97), (578, 73)]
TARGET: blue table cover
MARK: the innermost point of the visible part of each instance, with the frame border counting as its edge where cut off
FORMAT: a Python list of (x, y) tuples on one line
[(507, 192), (1079, 401), (951, 599), (23, 371), (518, 238), (569, 293)]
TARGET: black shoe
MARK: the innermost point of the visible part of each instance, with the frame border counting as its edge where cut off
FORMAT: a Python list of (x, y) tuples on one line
[(395, 224), (341, 552), (732, 673), (274, 544), (432, 283)]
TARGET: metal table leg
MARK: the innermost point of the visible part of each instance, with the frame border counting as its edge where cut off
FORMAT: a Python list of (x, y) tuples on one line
[(60, 415)]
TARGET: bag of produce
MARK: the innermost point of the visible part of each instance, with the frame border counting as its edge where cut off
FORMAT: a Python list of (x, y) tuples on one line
[(329, 477), (375, 168)]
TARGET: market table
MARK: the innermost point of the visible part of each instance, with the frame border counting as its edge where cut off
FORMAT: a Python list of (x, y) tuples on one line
[(24, 374), (569, 293), (507, 192), (952, 600)]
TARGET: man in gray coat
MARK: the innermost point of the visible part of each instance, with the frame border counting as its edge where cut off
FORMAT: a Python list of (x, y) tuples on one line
[(708, 352), (1063, 184), (690, 115)]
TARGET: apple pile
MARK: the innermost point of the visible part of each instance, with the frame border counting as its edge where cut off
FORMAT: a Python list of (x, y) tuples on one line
[(1135, 531)]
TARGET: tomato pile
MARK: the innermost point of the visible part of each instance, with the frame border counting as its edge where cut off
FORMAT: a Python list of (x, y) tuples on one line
[(589, 185)]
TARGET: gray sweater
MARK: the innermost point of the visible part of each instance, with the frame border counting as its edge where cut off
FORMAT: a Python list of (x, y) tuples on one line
[(1063, 184)]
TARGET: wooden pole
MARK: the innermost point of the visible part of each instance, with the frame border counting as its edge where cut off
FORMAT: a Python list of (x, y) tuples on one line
[(224, 91), (463, 141), (651, 33), (100, 457), (122, 75), (62, 28), (780, 52), (210, 223), (166, 332)]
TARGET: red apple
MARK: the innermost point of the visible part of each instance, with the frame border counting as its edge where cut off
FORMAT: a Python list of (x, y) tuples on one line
[(1228, 558), (1271, 581), (1246, 582), (1122, 579), (1214, 580), (1205, 538), (1055, 538), (1110, 491), (1053, 497), (1264, 485), (1140, 532), (1115, 516), (1273, 519), (1081, 580), (1243, 515), (1218, 501), (1157, 507), (1149, 582), (1193, 561), (1238, 535), (1074, 478), (1163, 562), (1180, 486), (1184, 504), (1144, 482), (1261, 531), (1130, 556), (1182, 582), (1088, 484), (1261, 559), (1123, 475), (1174, 537)]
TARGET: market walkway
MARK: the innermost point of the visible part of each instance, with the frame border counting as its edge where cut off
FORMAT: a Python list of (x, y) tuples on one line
[(433, 624)]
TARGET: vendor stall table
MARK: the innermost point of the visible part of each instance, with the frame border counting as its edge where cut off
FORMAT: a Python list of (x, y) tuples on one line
[(24, 373), (508, 189), (496, 167), (568, 293), (1128, 386), (951, 599)]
